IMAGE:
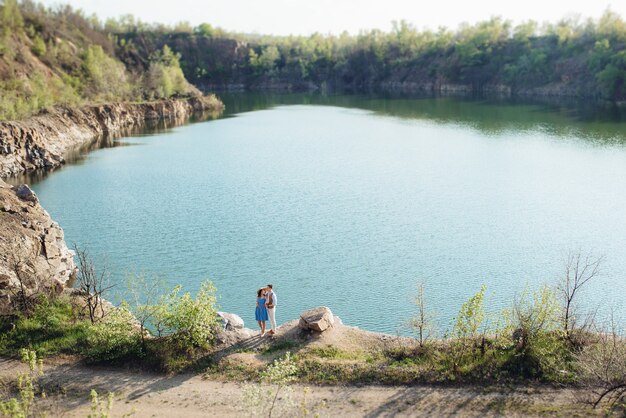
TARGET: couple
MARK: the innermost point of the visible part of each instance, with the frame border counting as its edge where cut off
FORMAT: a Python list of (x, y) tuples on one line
[(266, 308)]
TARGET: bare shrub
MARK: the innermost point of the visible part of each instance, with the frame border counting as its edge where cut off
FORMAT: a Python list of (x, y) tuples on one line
[(23, 299), (92, 284), (579, 270), (601, 367), (29, 288)]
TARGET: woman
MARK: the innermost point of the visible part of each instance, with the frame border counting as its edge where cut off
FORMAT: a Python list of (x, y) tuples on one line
[(261, 310)]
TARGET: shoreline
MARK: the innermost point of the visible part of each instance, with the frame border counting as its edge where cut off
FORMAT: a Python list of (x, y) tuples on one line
[(555, 92), (41, 142)]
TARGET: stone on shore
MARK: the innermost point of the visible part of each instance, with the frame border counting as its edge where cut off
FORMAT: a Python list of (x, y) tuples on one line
[(231, 321), (317, 319)]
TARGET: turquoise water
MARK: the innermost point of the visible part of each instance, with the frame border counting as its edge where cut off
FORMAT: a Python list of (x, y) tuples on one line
[(348, 201)]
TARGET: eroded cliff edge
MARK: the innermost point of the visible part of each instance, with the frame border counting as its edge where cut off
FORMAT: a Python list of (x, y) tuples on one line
[(40, 142)]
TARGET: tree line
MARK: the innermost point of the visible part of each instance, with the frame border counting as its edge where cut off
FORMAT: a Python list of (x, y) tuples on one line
[(572, 57)]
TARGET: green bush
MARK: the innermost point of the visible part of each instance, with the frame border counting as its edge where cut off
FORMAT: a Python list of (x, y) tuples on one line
[(190, 321), (534, 330), (115, 337), (20, 97), (11, 20)]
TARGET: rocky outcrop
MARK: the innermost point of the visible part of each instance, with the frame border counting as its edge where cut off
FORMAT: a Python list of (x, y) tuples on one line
[(42, 141), (33, 253), (317, 319)]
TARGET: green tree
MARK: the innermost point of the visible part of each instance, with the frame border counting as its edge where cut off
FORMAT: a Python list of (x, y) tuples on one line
[(204, 29), (466, 325), (470, 316), (39, 46), (105, 77), (611, 80), (423, 323), (267, 59), (165, 78)]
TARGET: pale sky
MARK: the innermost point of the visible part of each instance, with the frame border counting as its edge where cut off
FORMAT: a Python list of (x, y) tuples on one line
[(283, 17)]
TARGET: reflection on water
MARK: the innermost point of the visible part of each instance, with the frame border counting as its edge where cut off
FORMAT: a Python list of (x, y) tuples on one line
[(595, 121)]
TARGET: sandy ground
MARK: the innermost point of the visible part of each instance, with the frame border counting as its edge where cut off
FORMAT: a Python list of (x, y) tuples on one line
[(150, 395)]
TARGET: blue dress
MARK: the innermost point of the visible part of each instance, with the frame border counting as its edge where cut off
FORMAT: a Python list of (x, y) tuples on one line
[(261, 310)]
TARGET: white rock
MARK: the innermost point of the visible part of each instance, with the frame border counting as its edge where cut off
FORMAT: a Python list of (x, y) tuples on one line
[(231, 321)]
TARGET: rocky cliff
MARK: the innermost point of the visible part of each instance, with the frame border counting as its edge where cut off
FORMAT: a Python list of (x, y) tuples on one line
[(33, 254), (42, 141)]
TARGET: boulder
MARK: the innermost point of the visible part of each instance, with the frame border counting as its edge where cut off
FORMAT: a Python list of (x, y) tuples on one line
[(231, 321), (317, 319), (25, 193)]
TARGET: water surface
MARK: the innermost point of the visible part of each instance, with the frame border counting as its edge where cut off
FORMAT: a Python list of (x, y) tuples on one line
[(348, 201)]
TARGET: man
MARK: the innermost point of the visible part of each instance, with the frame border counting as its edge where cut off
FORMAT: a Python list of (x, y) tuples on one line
[(271, 307)]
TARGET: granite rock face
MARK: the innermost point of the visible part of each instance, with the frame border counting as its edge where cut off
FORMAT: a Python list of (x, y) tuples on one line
[(40, 142), (33, 253), (317, 319)]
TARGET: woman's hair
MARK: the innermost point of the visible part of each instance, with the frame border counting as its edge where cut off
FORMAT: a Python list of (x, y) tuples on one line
[(258, 293)]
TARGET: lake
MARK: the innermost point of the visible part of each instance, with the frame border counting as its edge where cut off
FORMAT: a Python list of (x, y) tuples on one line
[(348, 201)]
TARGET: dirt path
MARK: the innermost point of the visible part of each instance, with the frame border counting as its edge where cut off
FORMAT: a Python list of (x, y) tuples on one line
[(151, 395)]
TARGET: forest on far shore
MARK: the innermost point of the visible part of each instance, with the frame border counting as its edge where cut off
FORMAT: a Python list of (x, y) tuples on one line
[(573, 57)]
